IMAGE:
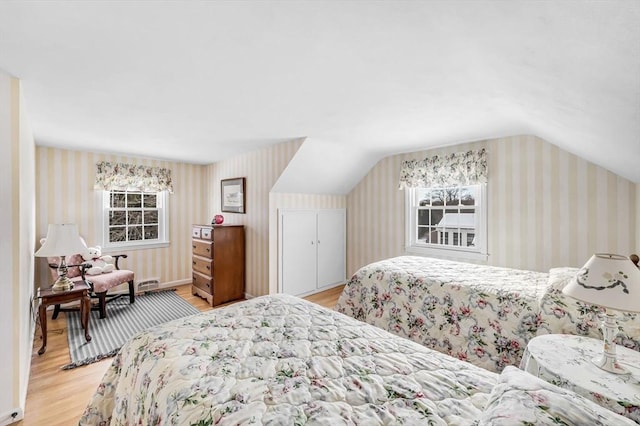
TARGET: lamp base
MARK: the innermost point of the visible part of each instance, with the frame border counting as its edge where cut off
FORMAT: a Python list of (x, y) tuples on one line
[(609, 364), (62, 284)]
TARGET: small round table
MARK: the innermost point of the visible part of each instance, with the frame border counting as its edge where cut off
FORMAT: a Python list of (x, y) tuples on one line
[(565, 361)]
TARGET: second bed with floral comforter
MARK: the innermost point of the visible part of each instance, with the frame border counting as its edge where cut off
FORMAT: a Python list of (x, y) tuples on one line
[(477, 313)]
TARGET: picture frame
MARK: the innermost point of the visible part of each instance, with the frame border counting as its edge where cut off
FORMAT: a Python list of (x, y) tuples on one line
[(233, 195)]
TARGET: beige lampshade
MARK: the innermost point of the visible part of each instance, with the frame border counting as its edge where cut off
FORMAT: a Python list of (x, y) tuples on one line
[(607, 280), (62, 240)]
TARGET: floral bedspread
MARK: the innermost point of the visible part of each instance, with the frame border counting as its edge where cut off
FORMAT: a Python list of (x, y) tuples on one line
[(482, 314), (282, 360)]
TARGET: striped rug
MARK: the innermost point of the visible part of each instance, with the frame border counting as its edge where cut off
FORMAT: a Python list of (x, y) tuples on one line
[(122, 322)]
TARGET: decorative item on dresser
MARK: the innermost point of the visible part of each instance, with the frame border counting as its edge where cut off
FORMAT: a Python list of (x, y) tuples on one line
[(218, 262)]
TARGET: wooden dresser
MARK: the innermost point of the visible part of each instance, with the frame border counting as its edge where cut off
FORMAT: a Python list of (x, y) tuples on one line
[(218, 262)]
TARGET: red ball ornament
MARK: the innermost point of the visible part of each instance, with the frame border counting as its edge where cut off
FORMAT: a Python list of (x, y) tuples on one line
[(218, 219)]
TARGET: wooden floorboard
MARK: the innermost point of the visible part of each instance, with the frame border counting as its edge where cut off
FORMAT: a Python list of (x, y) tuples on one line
[(58, 397)]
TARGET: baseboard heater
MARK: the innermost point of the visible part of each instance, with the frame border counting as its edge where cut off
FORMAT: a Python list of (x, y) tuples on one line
[(148, 285)]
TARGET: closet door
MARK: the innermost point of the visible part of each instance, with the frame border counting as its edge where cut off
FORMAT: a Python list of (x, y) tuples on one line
[(298, 252), (331, 247)]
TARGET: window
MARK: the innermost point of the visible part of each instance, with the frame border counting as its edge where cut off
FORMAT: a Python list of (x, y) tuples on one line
[(448, 221), (134, 219)]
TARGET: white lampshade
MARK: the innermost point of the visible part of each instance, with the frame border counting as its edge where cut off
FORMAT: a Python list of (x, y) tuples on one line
[(607, 280), (62, 240)]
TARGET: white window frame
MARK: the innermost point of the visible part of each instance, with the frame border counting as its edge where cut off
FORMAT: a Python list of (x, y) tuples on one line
[(163, 225), (476, 253)]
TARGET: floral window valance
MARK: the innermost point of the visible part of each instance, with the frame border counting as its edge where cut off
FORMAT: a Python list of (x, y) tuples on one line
[(123, 176), (460, 168)]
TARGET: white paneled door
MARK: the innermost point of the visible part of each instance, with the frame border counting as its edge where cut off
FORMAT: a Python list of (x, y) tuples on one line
[(331, 247), (298, 254), (312, 252)]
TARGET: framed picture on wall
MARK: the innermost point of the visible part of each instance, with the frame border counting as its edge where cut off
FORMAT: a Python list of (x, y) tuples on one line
[(232, 194)]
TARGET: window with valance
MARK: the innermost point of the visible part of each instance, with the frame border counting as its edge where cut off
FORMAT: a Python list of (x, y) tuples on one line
[(134, 205), (446, 204)]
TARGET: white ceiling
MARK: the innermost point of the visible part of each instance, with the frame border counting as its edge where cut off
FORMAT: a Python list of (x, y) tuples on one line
[(201, 81)]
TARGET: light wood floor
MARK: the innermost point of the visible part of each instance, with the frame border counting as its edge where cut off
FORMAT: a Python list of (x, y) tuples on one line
[(58, 397)]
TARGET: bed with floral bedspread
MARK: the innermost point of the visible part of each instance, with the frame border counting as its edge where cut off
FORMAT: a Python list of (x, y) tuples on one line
[(477, 313), (284, 361)]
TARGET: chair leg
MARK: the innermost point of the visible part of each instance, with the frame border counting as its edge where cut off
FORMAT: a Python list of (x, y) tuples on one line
[(102, 304), (56, 311), (132, 298)]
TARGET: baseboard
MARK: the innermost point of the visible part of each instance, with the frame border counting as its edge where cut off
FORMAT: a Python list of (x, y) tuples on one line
[(11, 417)]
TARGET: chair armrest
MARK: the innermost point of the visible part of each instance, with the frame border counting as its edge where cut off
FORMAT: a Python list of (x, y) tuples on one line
[(116, 258), (83, 267)]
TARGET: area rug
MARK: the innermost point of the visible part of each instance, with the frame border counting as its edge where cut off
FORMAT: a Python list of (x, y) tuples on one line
[(122, 322)]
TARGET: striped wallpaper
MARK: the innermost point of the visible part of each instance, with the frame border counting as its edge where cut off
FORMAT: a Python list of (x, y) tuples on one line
[(547, 207), (65, 194), (261, 168)]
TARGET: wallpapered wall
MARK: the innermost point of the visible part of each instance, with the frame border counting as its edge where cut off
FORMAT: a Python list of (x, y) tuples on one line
[(547, 207), (261, 169), (65, 194)]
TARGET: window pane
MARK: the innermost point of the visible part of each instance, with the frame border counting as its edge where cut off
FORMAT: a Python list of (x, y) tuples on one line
[(135, 217), (452, 196), (150, 200), (118, 217), (471, 239), (468, 195), (134, 199), (118, 199), (151, 217), (438, 197), (423, 217), (423, 196), (134, 233), (151, 232), (117, 235)]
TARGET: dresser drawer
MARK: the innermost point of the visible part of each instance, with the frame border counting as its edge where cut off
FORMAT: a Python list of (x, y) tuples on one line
[(203, 265), (203, 282), (195, 232), (202, 248), (206, 234)]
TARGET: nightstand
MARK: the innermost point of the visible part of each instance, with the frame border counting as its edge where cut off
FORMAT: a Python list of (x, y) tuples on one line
[(80, 291), (565, 361)]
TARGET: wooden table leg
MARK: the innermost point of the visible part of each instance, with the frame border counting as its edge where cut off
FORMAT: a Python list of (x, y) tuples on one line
[(85, 308), (42, 315)]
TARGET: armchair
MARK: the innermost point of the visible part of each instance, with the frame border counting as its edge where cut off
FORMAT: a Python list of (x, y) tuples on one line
[(100, 284)]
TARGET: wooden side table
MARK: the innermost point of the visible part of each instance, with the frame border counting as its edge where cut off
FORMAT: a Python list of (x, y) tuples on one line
[(80, 291), (565, 361)]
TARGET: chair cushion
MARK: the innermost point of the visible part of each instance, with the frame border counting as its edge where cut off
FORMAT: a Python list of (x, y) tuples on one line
[(104, 282)]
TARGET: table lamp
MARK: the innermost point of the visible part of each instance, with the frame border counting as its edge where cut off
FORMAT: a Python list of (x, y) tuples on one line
[(611, 281), (62, 240)]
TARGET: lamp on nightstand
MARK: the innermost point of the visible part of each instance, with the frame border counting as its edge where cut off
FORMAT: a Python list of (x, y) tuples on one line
[(613, 282), (62, 240)]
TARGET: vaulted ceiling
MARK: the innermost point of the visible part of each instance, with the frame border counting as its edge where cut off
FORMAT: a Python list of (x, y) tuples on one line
[(201, 81)]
